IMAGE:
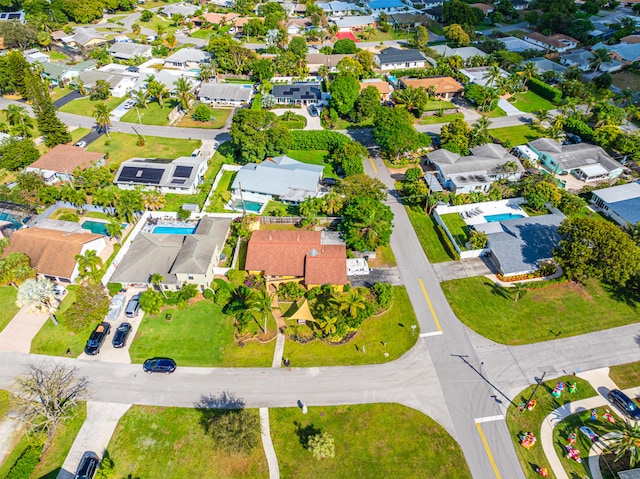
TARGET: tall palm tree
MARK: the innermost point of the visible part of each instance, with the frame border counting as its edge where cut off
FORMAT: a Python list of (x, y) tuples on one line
[(89, 264), (128, 203), (114, 228), (541, 116), (106, 197), (600, 56), (529, 70), (239, 307), (626, 440), (410, 97), (16, 115), (205, 73), (153, 200), (158, 90), (102, 116), (183, 92), (492, 74), (352, 303), (140, 97), (156, 280), (480, 131), (260, 302)]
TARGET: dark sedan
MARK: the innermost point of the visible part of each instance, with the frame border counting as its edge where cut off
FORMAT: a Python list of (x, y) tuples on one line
[(625, 403), (97, 338), (159, 365), (120, 337), (88, 466)]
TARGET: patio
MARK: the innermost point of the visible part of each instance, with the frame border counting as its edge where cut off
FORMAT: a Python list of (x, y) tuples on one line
[(476, 213)]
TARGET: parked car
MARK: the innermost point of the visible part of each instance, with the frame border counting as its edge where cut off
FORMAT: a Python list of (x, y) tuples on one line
[(81, 144), (88, 466), (159, 365), (115, 307), (128, 105), (120, 337), (133, 306), (571, 139), (59, 291), (97, 338), (328, 182), (313, 110), (625, 403)]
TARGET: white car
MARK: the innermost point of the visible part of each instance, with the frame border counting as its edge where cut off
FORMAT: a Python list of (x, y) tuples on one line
[(129, 104), (81, 144)]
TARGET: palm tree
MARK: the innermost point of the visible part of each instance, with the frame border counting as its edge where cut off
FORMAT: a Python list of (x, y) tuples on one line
[(135, 28), (239, 307), (626, 440), (153, 200), (328, 325), (625, 98), (156, 280), (205, 73), (106, 197), (260, 302), (600, 56), (158, 90), (16, 115), (128, 203), (519, 290), (529, 70), (480, 131), (170, 41), (114, 228), (102, 116), (541, 116), (410, 97), (183, 92), (89, 264), (160, 29), (333, 202), (352, 303), (140, 97), (492, 74)]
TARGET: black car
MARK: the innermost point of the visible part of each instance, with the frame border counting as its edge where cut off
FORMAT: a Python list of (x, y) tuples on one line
[(88, 466), (159, 365), (625, 403), (328, 182), (97, 338), (120, 337), (313, 110)]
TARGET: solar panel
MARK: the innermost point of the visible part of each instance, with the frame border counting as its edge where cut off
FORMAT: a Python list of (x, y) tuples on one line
[(13, 16), (178, 181), (141, 175), (183, 171)]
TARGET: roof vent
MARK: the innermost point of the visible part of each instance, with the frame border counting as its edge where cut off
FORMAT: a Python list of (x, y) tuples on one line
[(270, 236), (313, 252)]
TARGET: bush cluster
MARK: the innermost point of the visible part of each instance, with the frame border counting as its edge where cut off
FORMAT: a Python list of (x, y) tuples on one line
[(26, 463), (317, 140), (545, 91)]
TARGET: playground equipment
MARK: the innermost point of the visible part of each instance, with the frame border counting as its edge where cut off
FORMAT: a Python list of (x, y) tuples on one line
[(573, 453), (594, 414), (528, 440), (587, 431), (542, 471), (532, 404)]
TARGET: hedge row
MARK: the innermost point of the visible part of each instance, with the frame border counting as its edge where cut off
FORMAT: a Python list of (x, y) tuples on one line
[(446, 241), (26, 463), (317, 140), (579, 127), (545, 91)]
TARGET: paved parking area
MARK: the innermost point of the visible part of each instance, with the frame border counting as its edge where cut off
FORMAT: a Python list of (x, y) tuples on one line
[(119, 111), (377, 275), (465, 268), (313, 122), (69, 97), (19, 333)]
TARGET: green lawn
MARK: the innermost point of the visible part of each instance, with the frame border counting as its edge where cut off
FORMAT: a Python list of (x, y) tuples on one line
[(78, 133), (432, 105), (314, 157), (201, 34), (384, 258), (154, 442), (8, 308), (392, 328), (495, 113), (219, 118), (371, 441), (58, 93), (200, 335), (458, 228), (297, 122), (153, 114), (435, 119), (124, 146), (627, 79), (626, 375), (57, 56), (530, 421), (425, 228), (4, 402), (282, 209), (517, 135), (566, 309), (86, 107), (529, 102)]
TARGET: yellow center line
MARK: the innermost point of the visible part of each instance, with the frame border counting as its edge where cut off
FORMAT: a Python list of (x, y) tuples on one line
[(375, 170), (433, 312), (486, 447)]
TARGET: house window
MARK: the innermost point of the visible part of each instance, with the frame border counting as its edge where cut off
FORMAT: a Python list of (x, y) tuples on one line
[(190, 277), (407, 65), (166, 286)]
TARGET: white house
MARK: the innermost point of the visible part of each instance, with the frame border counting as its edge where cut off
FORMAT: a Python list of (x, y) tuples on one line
[(397, 59), (182, 175), (187, 58), (119, 84), (59, 163), (555, 43), (225, 94), (621, 203)]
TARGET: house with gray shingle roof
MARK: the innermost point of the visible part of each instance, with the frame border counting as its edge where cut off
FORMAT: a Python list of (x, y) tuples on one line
[(129, 51), (225, 94), (187, 58), (397, 59), (621, 203)]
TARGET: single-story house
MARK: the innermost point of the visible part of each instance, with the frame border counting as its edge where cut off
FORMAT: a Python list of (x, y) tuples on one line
[(555, 43), (298, 93), (129, 51), (396, 59), (428, 4), (477, 171), (408, 20), (584, 161), (60, 161), (483, 7), (434, 13), (167, 78), (478, 75), (621, 203), (187, 58), (181, 176), (582, 59), (353, 22), (183, 9), (515, 44), (34, 55), (8, 16), (281, 177), (52, 252), (119, 84), (227, 94), (387, 6), (443, 87), (463, 52), (630, 39), (54, 71), (318, 257), (297, 26), (339, 9), (84, 37), (180, 259), (522, 245), (545, 65), (216, 18), (623, 52), (382, 86), (520, 4), (316, 60)]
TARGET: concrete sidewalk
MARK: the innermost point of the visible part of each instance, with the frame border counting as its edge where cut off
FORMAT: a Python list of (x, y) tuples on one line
[(19, 333)]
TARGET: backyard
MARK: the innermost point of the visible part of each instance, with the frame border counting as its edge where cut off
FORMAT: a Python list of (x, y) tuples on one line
[(123, 147), (458, 229), (389, 334), (561, 309), (170, 442), (8, 308), (517, 135), (371, 441), (529, 102), (430, 238), (314, 157), (86, 107), (200, 335), (531, 421)]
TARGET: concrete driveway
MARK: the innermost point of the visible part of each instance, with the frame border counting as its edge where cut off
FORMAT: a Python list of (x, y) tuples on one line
[(19, 333), (119, 111), (313, 122)]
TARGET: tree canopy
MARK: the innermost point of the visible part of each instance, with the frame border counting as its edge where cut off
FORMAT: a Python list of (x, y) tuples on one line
[(256, 134), (366, 223)]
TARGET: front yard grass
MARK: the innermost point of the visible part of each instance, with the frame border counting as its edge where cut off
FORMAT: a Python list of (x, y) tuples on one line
[(529, 102), (426, 230), (388, 333), (201, 335), (8, 308), (435, 119), (219, 118), (626, 375), (517, 135), (458, 228), (627, 79), (154, 442), (542, 314), (497, 112), (314, 157), (384, 258), (531, 421), (58, 93), (86, 107), (124, 146), (434, 105), (153, 114), (371, 441)]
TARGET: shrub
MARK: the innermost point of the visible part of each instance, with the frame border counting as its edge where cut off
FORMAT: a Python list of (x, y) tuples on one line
[(69, 217), (151, 301), (317, 140), (90, 306), (222, 298), (208, 294), (202, 113), (27, 462), (322, 446), (256, 102), (579, 127), (114, 288), (448, 246), (291, 291), (478, 239), (384, 294), (545, 91), (183, 214)]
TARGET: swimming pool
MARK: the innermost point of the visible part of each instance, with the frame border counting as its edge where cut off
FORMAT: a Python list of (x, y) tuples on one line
[(174, 230), (502, 217), (252, 206), (97, 227)]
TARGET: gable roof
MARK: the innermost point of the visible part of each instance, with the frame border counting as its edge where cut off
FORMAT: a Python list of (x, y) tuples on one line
[(624, 200), (328, 60), (463, 52), (298, 91), (442, 84), (129, 50), (226, 91), (84, 35), (353, 21), (179, 8), (575, 156), (485, 159), (54, 69), (65, 159), (90, 77), (382, 86), (631, 39), (409, 18), (188, 55), (52, 252), (397, 55)]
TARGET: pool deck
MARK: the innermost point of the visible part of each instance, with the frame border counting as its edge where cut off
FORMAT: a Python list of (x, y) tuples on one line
[(148, 228), (480, 210)]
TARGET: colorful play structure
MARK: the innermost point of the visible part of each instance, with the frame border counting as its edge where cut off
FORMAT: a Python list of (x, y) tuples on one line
[(607, 415), (527, 440)]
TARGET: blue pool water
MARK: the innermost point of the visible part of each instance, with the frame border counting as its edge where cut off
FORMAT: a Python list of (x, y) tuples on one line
[(97, 227), (174, 230), (392, 79), (252, 206), (12, 219), (502, 217)]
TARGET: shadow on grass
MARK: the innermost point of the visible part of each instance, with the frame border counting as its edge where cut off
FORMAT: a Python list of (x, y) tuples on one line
[(52, 474), (499, 290), (304, 433), (629, 296), (212, 407)]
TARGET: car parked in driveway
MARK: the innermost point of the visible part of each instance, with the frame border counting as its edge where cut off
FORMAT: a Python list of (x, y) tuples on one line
[(625, 403), (133, 306), (129, 104), (88, 466), (313, 110), (120, 337), (159, 365), (115, 307), (97, 338), (81, 144)]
